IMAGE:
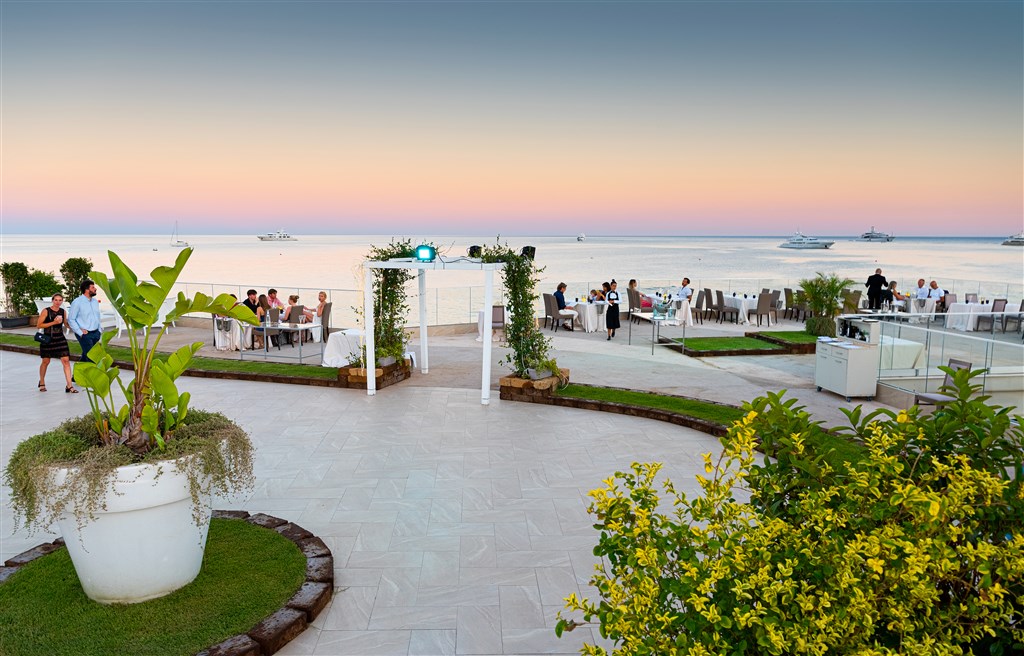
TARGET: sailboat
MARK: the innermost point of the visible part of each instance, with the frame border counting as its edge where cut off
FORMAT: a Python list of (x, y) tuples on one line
[(177, 243)]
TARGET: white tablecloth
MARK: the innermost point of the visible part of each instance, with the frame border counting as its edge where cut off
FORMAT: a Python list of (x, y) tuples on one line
[(913, 306), (231, 335), (342, 348), (590, 316), (895, 353), (744, 305)]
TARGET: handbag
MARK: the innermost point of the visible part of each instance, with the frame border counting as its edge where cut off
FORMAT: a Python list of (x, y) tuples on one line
[(42, 337)]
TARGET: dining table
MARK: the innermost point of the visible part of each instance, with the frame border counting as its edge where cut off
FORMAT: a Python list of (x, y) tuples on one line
[(682, 316), (343, 347), (923, 308), (964, 316), (744, 304), (589, 316)]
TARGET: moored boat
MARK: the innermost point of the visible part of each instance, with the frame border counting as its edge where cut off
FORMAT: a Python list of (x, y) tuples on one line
[(874, 235), (175, 241), (1014, 240), (280, 235), (581, 237), (801, 241)]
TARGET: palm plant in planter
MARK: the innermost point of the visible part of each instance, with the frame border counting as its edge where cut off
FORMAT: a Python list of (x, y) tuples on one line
[(824, 302), (130, 485)]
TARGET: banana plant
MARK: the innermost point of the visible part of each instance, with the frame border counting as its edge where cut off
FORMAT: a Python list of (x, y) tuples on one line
[(155, 407)]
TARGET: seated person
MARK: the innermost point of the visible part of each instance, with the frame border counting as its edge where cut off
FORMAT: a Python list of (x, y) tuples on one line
[(563, 311), (273, 300), (684, 293), (595, 295), (644, 301), (921, 291), (892, 295), (307, 314), (251, 302)]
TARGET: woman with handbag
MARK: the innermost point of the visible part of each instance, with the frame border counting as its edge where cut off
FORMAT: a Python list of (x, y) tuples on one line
[(52, 343)]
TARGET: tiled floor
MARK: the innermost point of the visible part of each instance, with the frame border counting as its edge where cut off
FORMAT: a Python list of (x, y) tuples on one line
[(456, 528)]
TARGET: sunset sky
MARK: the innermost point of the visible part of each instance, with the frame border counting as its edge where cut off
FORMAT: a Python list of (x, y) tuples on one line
[(611, 118)]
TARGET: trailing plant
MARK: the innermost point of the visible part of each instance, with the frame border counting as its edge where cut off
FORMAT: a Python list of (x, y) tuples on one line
[(23, 285), (823, 294), (221, 464), (154, 408), (74, 271), (915, 548), (390, 302), (530, 348)]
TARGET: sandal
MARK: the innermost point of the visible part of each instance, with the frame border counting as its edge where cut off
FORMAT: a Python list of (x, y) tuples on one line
[(70, 390), (42, 387)]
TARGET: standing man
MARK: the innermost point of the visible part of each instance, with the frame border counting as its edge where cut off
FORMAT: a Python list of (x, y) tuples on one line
[(875, 285), (684, 293), (84, 318)]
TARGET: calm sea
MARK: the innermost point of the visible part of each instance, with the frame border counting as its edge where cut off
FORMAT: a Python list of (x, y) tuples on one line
[(235, 262)]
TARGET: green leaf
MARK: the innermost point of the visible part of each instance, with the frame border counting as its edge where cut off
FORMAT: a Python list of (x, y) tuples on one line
[(118, 419), (178, 361), (559, 627), (91, 377), (163, 384), (150, 420), (167, 276), (183, 400)]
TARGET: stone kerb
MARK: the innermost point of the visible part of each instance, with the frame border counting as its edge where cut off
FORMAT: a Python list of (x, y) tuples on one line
[(280, 627), (389, 374)]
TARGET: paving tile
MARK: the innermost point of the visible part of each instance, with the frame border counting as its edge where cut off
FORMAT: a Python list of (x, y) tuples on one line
[(413, 617), (457, 595), (477, 551), (350, 609), (478, 630), (432, 643), (544, 641), (520, 607), (439, 568), (363, 643)]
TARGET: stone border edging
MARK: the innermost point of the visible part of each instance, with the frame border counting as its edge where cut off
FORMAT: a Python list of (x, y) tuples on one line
[(202, 373), (673, 345), (277, 629), (545, 395)]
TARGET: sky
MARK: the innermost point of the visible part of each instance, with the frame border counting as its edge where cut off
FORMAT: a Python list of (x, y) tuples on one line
[(478, 117)]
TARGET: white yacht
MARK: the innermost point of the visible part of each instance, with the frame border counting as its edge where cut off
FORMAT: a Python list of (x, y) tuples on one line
[(873, 235), (175, 241), (1014, 240), (581, 237), (801, 241), (280, 235)]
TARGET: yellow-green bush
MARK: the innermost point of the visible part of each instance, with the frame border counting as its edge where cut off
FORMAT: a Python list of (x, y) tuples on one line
[(902, 552)]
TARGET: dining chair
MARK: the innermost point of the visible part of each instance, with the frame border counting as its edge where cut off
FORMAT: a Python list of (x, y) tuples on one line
[(1007, 318), (696, 308), (724, 309), (970, 298), (790, 308), (549, 300), (325, 321), (998, 307), (709, 304), (498, 320), (938, 398), (765, 307)]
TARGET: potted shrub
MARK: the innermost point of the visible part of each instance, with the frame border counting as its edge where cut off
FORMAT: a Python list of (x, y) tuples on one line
[(824, 302), (130, 484), (21, 287)]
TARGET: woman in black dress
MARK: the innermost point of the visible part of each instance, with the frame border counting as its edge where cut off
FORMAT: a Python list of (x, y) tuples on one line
[(51, 322), (611, 314)]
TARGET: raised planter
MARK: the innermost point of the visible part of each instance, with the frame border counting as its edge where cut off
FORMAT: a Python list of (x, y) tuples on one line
[(685, 350), (387, 375), (144, 540), (513, 388), (13, 322), (795, 349)]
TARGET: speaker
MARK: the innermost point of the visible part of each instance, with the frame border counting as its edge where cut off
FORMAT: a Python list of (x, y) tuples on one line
[(528, 252), (475, 251)]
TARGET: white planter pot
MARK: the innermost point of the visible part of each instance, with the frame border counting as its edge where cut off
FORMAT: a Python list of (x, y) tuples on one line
[(144, 543)]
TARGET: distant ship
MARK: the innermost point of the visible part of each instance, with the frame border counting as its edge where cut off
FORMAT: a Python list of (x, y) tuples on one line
[(802, 242), (1014, 240), (280, 235), (581, 237), (873, 235), (177, 243)]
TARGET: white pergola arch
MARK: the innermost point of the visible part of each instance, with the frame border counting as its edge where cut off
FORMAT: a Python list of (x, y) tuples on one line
[(438, 264)]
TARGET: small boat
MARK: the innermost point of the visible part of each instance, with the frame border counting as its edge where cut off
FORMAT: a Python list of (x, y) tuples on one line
[(177, 243), (873, 235), (581, 237), (280, 235), (801, 241), (1014, 240)]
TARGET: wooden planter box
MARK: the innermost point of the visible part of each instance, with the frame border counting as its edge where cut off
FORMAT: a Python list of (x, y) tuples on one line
[(355, 377), (513, 388), (686, 350)]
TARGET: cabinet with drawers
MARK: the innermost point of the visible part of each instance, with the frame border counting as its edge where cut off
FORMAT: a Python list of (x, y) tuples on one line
[(848, 368)]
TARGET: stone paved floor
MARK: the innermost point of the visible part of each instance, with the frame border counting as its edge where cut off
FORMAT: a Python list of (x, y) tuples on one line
[(456, 528)]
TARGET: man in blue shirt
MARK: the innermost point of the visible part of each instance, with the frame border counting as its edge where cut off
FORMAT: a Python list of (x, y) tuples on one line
[(84, 318), (563, 311)]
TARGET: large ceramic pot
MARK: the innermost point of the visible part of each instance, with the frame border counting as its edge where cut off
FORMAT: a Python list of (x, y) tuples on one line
[(144, 542)]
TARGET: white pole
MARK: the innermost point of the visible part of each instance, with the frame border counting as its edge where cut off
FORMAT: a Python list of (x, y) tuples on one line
[(371, 364), (485, 376), (424, 364)]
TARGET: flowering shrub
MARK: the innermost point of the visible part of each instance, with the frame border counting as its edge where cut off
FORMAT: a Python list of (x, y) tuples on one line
[(897, 553)]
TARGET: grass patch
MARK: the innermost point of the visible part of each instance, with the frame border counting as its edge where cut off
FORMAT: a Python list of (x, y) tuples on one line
[(838, 449), (728, 344), (792, 336), (248, 573), (718, 414), (201, 363)]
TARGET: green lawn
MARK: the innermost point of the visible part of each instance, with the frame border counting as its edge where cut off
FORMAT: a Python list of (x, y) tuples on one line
[(689, 407), (792, 336), (823, 442), (204, 364), (728, 344), (248, 573)]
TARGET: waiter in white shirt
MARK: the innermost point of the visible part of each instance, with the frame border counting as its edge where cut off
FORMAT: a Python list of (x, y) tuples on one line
[(684, 292)]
